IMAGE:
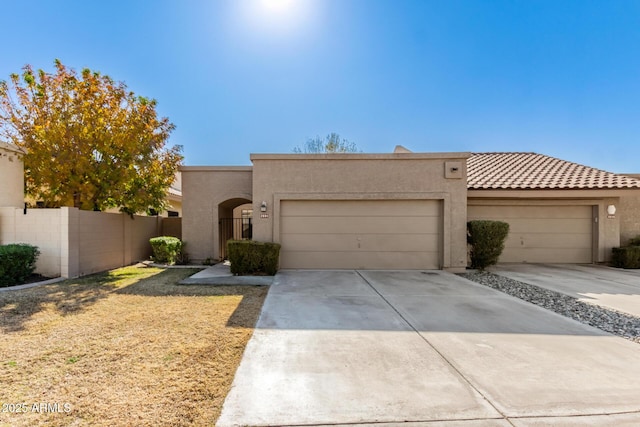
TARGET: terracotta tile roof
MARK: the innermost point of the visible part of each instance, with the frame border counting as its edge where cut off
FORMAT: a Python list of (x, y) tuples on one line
[(515, 171)]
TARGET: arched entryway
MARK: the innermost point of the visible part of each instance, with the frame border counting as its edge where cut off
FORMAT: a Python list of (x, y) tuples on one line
[(235, 218)]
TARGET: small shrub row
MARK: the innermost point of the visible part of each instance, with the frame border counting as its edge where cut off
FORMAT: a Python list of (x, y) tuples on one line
[(487, 241), (635, 241), (251, 257), (17, 263), (166, 249), (627, 256)]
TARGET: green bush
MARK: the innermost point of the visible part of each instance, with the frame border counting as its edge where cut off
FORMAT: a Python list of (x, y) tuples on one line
[(17, 263), (166, 249), (626, 257), (487, 241), (634, 242), (251, 257)]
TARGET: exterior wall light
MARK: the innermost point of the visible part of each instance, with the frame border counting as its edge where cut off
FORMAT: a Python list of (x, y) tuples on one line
[(611, 209), (263, 207)]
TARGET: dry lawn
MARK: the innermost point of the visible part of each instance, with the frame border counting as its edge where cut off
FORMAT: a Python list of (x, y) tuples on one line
[(123, 348)]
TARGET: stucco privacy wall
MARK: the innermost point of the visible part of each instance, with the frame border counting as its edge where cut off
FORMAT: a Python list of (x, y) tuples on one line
[(107, 240), (41, 228), (172, 226), (629, 210), (73, 242), (204, 189), (399, 176)]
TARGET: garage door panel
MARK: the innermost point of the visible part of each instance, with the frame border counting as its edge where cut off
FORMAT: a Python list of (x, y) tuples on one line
[(359, 242), (359, 208), (531, 255), (488, 212), (558, 234), (372, 234), (546, 225), (363, 225), (548, 240), (359, 260)]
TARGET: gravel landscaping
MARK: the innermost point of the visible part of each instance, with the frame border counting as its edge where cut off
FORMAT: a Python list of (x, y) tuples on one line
[(609, 320)]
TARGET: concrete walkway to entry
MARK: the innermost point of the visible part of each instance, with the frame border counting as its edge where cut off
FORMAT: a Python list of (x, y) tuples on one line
[(220, 274), (608, 287), (358, 347)]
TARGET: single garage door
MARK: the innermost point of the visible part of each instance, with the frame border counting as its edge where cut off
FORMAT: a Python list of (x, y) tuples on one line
[(543, 234), (365, 234)]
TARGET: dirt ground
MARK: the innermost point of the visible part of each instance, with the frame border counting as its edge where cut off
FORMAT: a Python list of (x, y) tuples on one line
[(127, 347)]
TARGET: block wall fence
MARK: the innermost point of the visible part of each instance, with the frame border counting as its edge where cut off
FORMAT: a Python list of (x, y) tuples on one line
[(75, 243)]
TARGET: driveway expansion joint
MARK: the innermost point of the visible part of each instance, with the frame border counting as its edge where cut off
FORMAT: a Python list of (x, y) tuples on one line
[(455, 369)]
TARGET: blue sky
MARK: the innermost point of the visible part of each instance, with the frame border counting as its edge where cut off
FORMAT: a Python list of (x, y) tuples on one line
[(257, 76)]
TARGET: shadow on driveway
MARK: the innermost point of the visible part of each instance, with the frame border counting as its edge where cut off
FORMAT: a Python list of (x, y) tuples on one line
[(337, 347)]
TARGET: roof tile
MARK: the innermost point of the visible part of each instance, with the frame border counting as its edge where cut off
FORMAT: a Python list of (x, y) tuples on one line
[(519, 171)]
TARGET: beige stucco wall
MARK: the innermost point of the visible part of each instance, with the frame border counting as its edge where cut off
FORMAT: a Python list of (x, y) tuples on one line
[(172, 227), (204, 189), (175, 204), (400, 176), (107, 240), (606, 230), (629, 211), (11, 176), (74, 243), (39, 227)]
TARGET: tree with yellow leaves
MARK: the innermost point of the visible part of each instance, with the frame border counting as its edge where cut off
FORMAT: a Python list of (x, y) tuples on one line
[(90, 142)]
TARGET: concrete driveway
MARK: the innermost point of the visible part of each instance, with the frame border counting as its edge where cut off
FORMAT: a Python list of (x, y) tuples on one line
[(427, 348), (608, 287)]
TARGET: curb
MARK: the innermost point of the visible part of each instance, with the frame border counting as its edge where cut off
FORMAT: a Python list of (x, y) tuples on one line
[(32, 285)]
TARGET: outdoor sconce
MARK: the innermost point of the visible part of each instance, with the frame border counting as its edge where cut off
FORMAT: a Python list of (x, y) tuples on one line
[(611, 210), (263, 207)]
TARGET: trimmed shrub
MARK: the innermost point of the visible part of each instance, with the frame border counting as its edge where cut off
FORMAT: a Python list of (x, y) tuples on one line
[(634, 242), (166, 249), (17, 263), (487, 241), (251, 257), (627, 257)]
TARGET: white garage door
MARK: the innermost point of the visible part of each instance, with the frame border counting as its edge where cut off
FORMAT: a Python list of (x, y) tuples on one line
[(543, 234), (365, 234)]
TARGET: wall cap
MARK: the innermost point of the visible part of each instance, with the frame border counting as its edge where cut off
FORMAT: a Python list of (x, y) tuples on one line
[(215, 168), (362, 156), (11, 147)]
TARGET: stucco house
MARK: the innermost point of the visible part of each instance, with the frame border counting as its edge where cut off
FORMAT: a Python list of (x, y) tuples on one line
[(408, 210), (12, 176)]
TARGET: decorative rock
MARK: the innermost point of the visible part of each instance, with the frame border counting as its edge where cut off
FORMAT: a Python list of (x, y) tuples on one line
[(609, 320)]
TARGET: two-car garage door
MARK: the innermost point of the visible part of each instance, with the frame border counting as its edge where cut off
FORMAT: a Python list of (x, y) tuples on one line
[(367, 234), (407, 234), (543, 234)]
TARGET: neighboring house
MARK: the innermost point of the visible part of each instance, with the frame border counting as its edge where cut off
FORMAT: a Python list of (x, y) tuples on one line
[(409, 210), (11, 176), (174, 198), (557, 210)]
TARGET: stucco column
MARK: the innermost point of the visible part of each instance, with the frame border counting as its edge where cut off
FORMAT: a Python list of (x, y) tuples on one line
[(69, 242)]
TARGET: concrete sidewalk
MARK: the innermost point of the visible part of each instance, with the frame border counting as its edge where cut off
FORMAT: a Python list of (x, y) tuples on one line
[(608, 287), (348, 347), (220, 274)]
